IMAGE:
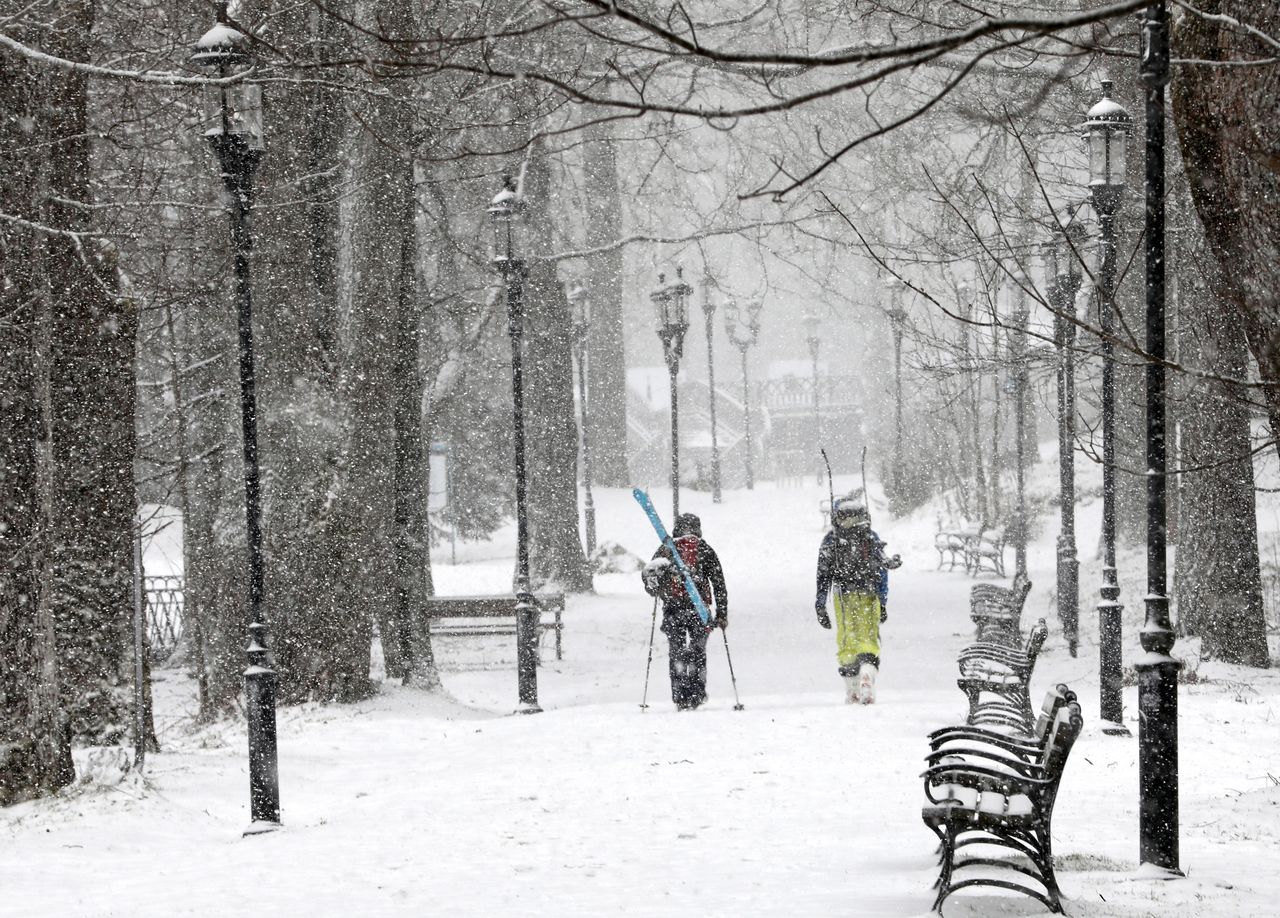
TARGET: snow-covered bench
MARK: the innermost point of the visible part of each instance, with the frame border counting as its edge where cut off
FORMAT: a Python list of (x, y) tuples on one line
[(1027, 747), (990, 800), (997, 611), (493, 614), (986, 549), (1003, 675)]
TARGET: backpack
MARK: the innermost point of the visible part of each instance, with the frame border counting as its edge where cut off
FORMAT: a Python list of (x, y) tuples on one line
[(688, 546), (856, 565)]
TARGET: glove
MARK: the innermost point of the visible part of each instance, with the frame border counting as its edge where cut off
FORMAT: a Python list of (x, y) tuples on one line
[(722, 620), (655, 575), (893, 563), (823, 620)]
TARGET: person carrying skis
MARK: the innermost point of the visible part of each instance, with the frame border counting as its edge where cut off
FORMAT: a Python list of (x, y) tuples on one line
[(852, 561), (686, 634)]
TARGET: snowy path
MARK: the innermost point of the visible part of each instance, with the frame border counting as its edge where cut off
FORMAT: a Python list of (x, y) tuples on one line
[(799, 805)]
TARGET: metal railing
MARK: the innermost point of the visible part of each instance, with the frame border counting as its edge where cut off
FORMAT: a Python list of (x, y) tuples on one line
[(163, 600)]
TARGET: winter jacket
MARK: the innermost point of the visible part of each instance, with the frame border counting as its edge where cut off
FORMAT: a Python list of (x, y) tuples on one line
[(853, 562), (704, 566)]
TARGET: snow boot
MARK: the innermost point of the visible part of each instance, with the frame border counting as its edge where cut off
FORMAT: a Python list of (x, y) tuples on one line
[(850, 689), (867, 684)]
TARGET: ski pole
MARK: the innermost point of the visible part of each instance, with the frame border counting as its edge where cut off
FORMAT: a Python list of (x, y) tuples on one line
[(866, 495), (652, 625), (831, 488), (737, 705)]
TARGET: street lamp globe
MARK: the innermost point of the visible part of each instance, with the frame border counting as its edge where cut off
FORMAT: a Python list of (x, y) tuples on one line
[(238, 118), (580, 307), (672, 303), (507, 221), (1107, 128)]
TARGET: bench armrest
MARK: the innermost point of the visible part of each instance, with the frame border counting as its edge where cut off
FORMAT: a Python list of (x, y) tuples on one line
[(982, 777)]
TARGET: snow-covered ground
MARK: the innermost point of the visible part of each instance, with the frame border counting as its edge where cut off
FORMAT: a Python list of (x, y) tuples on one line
[(415, 804)]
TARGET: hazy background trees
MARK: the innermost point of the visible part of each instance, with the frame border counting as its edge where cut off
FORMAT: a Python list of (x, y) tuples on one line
[(742, 141)]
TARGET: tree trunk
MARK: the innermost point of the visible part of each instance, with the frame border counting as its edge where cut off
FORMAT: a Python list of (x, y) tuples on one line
[(92, 393), (607, 369), (550, 427), (35, 743), (1218, 582), (1228, 134)]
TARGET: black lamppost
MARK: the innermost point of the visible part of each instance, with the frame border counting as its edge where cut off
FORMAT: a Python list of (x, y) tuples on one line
[(672, 303), (237, 140), (506, 216), (1064, 284), (814, 342), (1108, 128), (1020, 318), (743, 333), (898, 318), (1157, 670), (580, 308), (708, 314)]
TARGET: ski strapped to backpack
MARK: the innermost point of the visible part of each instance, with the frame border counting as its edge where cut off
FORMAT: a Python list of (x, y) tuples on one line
[(690, 587)]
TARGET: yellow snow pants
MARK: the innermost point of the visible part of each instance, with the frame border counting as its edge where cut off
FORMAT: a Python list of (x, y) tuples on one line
[(857, 628)]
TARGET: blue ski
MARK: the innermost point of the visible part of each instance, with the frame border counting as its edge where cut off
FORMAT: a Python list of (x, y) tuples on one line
[(689, 587)]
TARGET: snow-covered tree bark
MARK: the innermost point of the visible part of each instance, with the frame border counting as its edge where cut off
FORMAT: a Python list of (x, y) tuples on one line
[(606, 361), (35, 742), (1229, 137), (1217, 579), (550, 426)]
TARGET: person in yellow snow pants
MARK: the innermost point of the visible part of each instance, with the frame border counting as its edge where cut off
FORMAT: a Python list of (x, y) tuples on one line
[(857, 621), (853, 568)]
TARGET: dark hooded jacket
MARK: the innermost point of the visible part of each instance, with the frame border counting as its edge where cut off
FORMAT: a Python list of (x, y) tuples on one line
[(704, 566)]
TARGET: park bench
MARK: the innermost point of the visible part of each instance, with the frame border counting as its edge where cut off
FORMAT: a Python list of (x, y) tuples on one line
[(985, 549), (996, 611), (949, 544), (997, 680), (1022, 747), (983, 801), (458, 616)]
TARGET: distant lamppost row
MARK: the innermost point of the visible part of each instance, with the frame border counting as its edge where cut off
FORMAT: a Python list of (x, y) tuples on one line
[(1157, 669), (1108, 126), (708, 315), (1064, 284), (672, 303), (506, 217), (814, 342), (580, 307), (237, 140), (1020, 318), (898, 318), (744, 333)]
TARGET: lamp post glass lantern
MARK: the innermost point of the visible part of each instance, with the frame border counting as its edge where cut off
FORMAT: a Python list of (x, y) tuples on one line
[(237, 141), (671, 302), (506, 219), (580, 312), (1108, 127), (743, 332)]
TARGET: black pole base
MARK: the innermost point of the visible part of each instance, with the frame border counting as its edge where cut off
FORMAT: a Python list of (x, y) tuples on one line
[(1158, 761), (261, 827), (527, 652)]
